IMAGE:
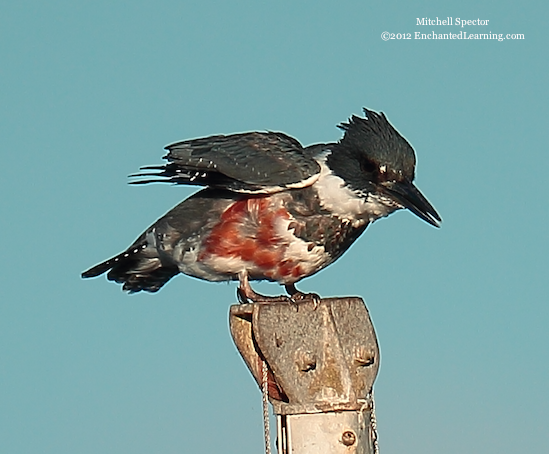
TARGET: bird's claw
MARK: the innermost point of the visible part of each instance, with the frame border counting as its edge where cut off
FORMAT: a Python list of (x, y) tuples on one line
[(246, 294), (300, 297), (257, 298)]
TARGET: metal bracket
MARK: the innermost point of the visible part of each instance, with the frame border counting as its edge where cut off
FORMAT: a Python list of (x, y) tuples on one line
[(323, 359)]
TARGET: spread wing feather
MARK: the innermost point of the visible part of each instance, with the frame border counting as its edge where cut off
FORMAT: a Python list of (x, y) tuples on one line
[(254, 162)]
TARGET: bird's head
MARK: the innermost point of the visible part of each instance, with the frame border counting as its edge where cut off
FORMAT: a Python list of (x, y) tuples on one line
[(376, 161)]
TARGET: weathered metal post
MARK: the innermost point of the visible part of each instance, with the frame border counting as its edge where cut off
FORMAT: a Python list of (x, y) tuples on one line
[(322, 361)]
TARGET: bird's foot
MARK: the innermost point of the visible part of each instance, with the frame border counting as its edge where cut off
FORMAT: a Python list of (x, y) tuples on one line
[(297, 297), (246, 294), (246, 297)]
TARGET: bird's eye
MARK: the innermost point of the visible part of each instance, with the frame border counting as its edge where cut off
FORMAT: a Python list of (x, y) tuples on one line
[(368, 166)]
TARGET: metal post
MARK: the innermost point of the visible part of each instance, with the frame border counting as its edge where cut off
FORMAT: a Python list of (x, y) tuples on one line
[(322, 361)]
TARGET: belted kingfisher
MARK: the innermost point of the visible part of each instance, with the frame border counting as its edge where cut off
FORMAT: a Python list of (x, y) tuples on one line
[(271, 209)]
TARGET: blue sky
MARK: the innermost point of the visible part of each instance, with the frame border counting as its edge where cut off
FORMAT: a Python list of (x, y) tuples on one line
[(91, 91)]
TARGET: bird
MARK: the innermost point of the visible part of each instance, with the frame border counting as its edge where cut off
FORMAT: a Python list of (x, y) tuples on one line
[(270, 209)]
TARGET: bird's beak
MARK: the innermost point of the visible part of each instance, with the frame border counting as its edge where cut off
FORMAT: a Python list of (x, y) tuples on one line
[(406, 194)]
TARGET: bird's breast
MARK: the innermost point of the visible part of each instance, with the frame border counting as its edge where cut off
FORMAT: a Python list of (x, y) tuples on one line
[(257, 235)]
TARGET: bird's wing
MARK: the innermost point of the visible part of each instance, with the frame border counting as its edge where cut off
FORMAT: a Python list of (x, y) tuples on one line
[(254, 162)]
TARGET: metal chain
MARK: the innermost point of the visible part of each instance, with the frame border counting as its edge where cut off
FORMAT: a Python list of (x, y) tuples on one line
[(265, 391), (373, 424), (369, 404)]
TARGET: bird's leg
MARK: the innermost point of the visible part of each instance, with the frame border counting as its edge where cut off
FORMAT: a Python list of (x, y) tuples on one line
[(297, 296), (246, 294)]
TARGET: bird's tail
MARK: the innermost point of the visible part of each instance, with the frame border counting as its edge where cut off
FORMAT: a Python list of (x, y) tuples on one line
[(138, 268)]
